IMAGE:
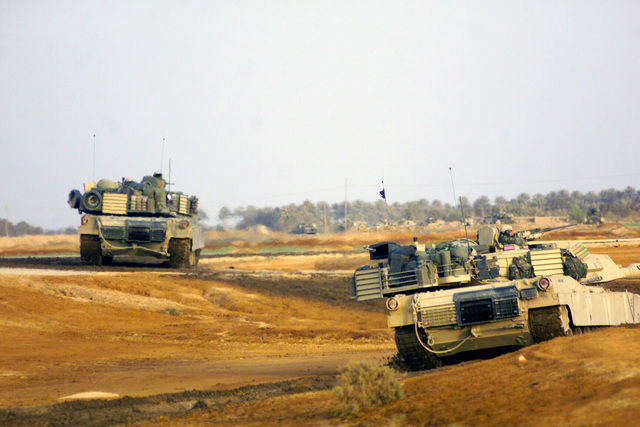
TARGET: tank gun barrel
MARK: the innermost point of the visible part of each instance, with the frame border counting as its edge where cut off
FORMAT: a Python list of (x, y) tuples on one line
[(536, 233), (631, 272)]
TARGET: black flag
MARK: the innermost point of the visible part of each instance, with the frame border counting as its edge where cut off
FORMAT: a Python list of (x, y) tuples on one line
[(383, 194)]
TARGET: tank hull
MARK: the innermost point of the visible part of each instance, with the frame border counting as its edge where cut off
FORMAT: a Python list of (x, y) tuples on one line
[(506, 314), (159, 237)]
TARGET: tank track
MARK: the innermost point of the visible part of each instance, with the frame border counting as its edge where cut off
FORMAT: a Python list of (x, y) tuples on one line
[(179, 253), (90, 251), (412, 352), (549, 322)]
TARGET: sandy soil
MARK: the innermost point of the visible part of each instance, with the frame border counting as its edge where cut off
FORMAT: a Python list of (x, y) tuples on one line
[(135, 334), (246, 346)]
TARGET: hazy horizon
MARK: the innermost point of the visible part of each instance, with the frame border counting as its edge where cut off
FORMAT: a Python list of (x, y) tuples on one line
[(271, 103)]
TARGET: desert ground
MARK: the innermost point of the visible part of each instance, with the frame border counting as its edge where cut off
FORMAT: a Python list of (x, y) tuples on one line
[(256, 333)]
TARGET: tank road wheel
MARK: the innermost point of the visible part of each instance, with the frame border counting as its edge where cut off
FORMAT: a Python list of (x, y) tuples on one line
[(90, 251), (415, 356), (180, 255), (549, 322)]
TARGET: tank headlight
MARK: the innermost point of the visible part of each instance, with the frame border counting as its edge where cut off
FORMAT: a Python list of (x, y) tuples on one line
[(392, 304), (543, 284), (184, 224), (84, 220)]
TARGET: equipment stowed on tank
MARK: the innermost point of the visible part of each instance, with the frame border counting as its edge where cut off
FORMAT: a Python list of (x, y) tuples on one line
[(461, 297), (139, 219)]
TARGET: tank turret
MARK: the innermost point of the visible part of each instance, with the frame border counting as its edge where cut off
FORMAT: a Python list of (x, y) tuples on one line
[(147, 198)]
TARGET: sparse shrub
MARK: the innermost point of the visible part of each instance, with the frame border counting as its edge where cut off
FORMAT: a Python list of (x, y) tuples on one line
[(221, 298), (364, 384), (172, 311)]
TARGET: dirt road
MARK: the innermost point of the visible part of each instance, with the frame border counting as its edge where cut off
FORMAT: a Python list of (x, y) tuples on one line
[(134, 334)]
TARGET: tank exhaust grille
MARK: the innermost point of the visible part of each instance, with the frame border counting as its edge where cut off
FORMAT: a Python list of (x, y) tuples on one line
[(438, 316), (139, 234), (113, 232), (157, 234), (486, 305), (476, 311)]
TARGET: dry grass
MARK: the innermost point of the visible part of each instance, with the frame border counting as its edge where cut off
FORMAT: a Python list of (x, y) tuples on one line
[(240, 241), (29, 245), (341, 262)]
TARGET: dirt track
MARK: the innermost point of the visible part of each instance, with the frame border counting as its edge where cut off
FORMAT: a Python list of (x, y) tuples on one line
[(67, 331), (146, 331), (152, 333)]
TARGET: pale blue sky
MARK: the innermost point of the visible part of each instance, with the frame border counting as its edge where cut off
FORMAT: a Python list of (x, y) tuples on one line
[(274, 102)]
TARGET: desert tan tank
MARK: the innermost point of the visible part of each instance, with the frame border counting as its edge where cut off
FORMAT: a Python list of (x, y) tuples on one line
[(139, 219), (461, 298)]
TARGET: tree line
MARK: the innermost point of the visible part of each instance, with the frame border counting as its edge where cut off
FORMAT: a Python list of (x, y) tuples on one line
[(22, 228), (611, 204)]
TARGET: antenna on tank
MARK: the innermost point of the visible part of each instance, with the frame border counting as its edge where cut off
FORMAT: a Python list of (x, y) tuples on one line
[(162, 156), (169, 181), (94, 158), (464, 219), (453, 187)]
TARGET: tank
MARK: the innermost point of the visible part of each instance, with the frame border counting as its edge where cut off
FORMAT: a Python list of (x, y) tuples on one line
[(137, 219), (304, 228), (462, 299), (593, 217)]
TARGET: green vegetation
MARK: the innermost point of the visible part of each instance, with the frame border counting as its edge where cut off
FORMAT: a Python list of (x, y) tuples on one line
[(171, 311), (576, 214), (9, 229), (364, 384)]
